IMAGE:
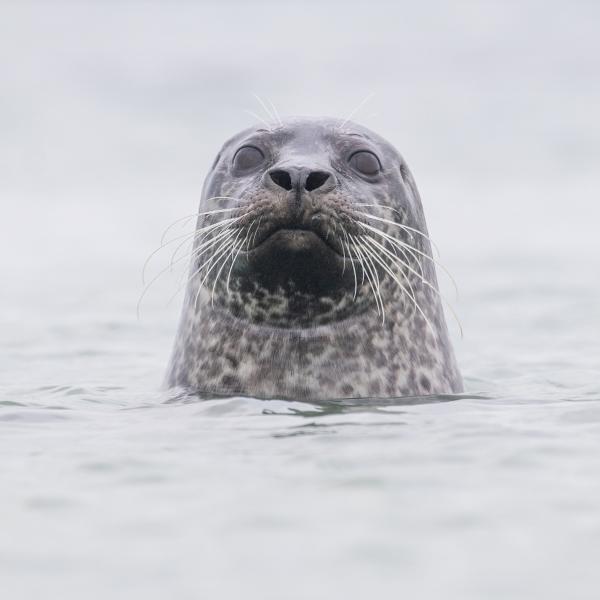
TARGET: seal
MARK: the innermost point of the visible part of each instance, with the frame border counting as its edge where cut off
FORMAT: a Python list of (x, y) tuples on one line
[(312, 275)]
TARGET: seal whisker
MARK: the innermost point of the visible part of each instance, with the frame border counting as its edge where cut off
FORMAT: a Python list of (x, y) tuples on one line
[(344, 259), (416, 304), (394, 259), (253, 114), (360, 261), (212, 262), (199, 214), (401, 263), (185, 237), (275, 112), (200, 234), (255, 232), (202, 231), (351, 261), (241, 245), (201, 249), (269, 114), (401, 225), (366, 270), (411, 249), (398, 246), (369, 256), (211, 198), (353, 112), (232, 246), (181, 285), (335, 233), (207, 243)]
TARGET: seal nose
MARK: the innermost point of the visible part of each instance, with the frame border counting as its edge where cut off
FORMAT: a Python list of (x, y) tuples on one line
[(291, 178), (281, 178), (315, 180)]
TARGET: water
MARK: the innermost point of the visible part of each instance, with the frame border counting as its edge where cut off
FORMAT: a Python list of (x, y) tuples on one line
[(114, 488)]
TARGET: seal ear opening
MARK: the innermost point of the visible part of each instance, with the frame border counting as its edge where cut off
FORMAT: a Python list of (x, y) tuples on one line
[(404, 173), (408, 180)]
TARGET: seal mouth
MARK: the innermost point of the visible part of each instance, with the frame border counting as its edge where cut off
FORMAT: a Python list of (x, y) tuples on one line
[(299, 238)]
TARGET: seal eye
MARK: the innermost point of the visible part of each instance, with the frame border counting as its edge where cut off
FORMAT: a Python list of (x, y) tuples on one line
[(365, 162), (248, 157)]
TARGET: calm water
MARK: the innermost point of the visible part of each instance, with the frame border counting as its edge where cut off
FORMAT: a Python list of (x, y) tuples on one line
[(110, 115), (109, 489)]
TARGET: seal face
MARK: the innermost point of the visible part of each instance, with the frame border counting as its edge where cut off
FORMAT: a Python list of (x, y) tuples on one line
[(311, 274)]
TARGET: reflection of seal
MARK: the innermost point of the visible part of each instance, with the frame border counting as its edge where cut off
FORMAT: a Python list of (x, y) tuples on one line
[(312, 275)]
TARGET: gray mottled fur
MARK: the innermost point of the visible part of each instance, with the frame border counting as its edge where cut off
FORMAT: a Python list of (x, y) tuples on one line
[(283, 341)]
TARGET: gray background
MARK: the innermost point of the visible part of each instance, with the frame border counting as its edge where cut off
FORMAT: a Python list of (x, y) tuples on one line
[(111, 113)]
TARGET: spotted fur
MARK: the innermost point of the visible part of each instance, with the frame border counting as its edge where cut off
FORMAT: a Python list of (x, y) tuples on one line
[(303, 322)]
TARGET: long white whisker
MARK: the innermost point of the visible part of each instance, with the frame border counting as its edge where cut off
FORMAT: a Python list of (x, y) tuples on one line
[(344, 257), (232, 247), (396, 259), (275, 112), (199, 214), (204, 246), (256, 230), (170, 266), (416, 304), (265, 108), (410, 249), (253, 114), (199, 251), (352, 113), (366, 269), (403, 247), (351, 262), (374, 272), (398, 246), (184, 236), (401, 225), (244, 241), (224, 198), (361, 265), (393, 259), (200, 233), (211, 263)]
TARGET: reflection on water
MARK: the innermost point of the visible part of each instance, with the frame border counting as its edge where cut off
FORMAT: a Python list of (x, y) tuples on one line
[(332, 405)]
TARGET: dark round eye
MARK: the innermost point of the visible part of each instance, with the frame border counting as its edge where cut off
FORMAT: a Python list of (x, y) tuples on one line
[(248, 157), (365, 162)]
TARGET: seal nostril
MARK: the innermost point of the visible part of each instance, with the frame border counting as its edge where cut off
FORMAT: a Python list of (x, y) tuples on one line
[(315, 180), (282, 179)]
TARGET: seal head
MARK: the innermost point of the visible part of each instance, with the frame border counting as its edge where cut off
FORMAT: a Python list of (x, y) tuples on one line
[(311, 274)]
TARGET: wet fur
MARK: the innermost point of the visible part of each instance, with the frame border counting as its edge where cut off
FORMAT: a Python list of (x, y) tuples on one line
[(288, 324)]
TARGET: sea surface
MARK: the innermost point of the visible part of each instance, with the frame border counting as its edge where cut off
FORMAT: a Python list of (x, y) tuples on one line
[(112, 487)]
